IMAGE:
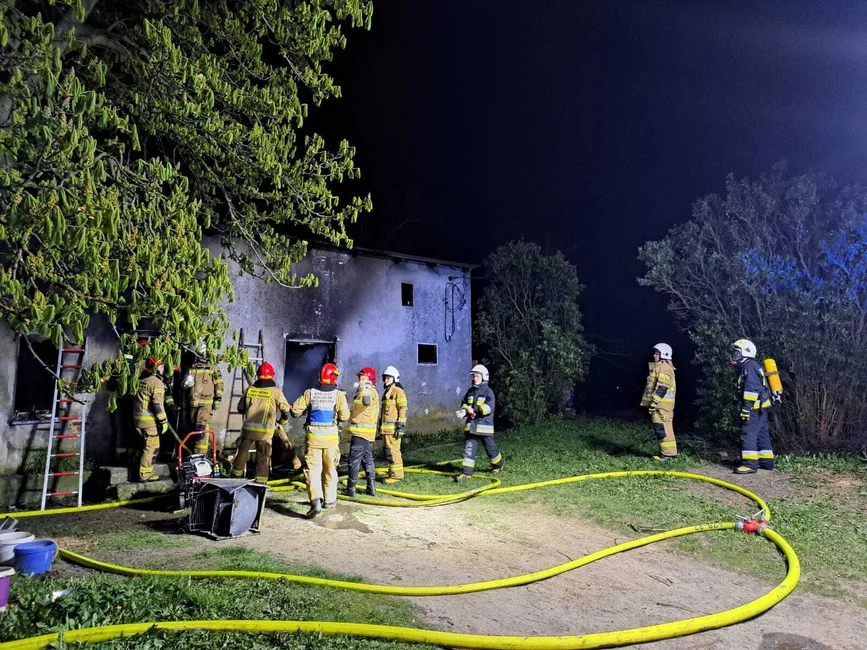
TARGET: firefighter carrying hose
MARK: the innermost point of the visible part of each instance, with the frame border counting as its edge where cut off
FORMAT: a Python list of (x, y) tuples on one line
[(363, 418), (756, 449), (324, 407), (659, 400), (478, 409), (259, 406), (149, 416), (393, 425), (203, 386)]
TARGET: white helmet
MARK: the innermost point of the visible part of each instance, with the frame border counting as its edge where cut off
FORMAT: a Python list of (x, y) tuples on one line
[(746, 348), (664, 350), (391, 371), (481, 370), (202, 349)]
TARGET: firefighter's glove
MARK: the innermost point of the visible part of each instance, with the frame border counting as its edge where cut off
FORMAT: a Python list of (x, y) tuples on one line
[(399, 430), (745, 414), (216, 405)]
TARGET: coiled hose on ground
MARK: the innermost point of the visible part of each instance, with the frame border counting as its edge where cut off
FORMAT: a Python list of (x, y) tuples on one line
[(450, 639)]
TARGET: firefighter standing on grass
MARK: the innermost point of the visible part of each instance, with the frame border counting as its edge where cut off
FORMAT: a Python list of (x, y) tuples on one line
[(203, 386), (260, 405), (756, 449), (478, 409), (324, 407), (363, 418), (393, 422), (659, 400), (149, 416)]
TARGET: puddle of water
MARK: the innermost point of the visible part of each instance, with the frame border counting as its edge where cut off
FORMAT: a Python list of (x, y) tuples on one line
[(343, 522)]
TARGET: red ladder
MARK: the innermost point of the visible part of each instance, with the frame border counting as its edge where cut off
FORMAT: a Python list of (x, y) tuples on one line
[(61, 414)]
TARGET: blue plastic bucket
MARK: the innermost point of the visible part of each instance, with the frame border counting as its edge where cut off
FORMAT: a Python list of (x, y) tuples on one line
[(36, 557)]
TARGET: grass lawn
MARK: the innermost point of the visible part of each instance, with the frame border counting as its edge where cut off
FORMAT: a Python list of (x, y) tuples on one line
[(818, 504)]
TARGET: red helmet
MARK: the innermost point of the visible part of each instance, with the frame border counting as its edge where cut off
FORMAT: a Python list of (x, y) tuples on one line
[(152, 364), (266, 371), (370, 373), (329, 374)]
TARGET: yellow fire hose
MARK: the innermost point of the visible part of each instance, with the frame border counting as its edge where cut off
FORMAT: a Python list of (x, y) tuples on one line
[(385, 632)]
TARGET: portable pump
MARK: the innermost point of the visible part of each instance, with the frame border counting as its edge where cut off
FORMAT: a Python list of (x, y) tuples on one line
[(193, 468)]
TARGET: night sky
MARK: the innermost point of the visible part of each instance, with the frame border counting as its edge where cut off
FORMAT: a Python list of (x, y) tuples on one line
[(589, 127)]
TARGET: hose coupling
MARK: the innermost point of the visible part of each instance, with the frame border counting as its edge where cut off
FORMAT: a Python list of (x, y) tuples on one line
[(754, 523)]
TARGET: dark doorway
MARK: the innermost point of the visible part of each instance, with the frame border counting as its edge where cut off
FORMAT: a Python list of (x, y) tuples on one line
[(34, 386), (304, 359)]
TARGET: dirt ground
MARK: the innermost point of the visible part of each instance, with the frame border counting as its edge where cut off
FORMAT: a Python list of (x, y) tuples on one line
[(481, 539)]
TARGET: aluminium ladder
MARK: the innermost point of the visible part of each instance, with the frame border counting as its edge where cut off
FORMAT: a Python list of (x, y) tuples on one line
[(61, 419), (256, 354)]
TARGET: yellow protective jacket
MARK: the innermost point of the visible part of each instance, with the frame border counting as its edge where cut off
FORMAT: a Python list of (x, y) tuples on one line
[(149, 406), (661, 386), (207, 387), (364, 414), (325, 407), (260, 405), (393, 408)]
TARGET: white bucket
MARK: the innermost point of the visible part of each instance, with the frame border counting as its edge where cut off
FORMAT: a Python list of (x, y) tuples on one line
[(8, 542)]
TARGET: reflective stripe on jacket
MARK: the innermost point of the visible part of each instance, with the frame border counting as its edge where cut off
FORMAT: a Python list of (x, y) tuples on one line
[(324, 409), (482, 401), (364, 417), (394, 408), (149, 405), (661, 385), (260, 407), (207, 386), (753, 386)]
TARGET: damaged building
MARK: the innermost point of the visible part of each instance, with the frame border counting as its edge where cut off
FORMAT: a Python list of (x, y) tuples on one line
[(371, 308)]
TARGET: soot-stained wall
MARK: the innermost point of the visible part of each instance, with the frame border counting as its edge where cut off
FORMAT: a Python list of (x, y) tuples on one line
[(357, 307)]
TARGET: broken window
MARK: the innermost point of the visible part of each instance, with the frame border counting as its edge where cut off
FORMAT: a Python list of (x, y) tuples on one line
[(34, 386), (427, 354), (406, 294)]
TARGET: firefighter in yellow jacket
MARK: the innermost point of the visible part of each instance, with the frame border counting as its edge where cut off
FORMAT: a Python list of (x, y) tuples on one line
[(363, 419), (203, 386), (659, 400), (260, 406), (149, 416), (325, 407), (393, 426)]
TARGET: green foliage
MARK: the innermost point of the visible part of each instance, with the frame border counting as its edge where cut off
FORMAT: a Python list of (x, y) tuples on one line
[(130, 128), (781, 261), (531, 323)]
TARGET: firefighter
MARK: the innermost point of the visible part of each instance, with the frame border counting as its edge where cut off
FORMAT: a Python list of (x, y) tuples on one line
[(659, 400), (393, 422), (259, 406), (756, 450), (363, 418), (325, 407), (203, 386), (478, 410), (149, 416)]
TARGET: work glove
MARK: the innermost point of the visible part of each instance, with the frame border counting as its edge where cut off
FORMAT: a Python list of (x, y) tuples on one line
[(745, 414), (399, 430), (216, 405)]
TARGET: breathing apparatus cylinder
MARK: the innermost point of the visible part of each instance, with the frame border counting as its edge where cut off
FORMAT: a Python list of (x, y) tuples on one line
[(773, 377)]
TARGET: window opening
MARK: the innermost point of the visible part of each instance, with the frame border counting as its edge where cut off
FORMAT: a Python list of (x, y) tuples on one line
[(406, 294), (427, 354)]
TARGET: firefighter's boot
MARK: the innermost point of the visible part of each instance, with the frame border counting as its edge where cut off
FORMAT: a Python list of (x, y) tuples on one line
[(460, 478), (350, 490), (371, 486), (315, 508), (744, 469)]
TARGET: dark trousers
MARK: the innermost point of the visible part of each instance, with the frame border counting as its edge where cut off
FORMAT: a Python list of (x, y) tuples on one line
[(471, 448), (756, 449), (360, 452)]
